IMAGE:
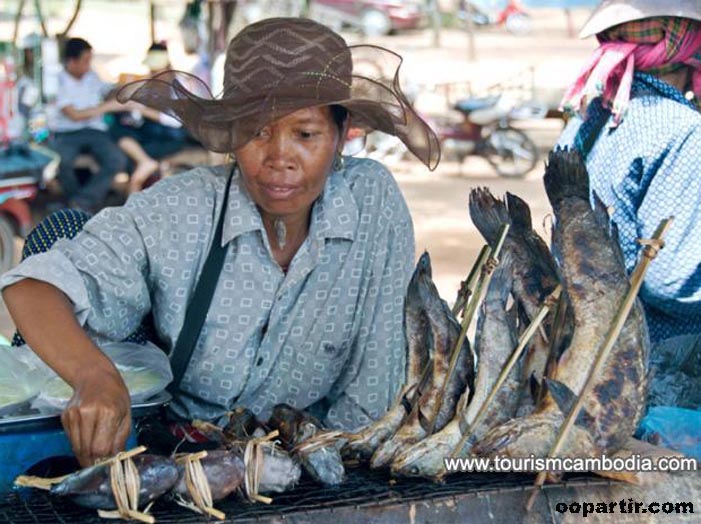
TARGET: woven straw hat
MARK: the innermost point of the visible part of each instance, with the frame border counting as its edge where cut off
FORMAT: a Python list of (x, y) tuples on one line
[(610, 13), (278, 66)]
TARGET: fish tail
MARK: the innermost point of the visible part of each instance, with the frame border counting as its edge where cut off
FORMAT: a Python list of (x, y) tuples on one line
[(566, 176), (423, 268), (519, 212), (488, 213)]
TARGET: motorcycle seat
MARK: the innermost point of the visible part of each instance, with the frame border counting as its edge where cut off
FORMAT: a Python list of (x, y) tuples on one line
[(467, 105)]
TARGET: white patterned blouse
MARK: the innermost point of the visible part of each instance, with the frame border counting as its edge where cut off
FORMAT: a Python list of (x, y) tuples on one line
[(331, 328)]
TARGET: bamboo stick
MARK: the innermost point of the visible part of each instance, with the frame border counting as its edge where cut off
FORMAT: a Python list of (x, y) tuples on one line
[(508, 366), (486, 271), (468, 285), (650, 251)]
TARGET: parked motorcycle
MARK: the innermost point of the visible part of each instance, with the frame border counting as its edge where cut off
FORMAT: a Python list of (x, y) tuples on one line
[(23, 170), (485, 130)]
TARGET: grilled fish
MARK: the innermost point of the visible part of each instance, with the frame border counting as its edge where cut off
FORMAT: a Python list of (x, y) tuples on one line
[(224, 471), (445, 331), (534, 269), (416, 326), (279, 470), (595, 282), (324, 464), (495, 340), (91, 487)]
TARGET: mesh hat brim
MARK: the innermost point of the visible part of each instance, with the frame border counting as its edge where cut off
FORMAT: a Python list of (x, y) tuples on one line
[(610, 13), (227, 123)]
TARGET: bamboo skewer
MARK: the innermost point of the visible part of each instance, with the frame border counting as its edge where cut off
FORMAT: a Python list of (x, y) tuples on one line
[(554, 341), (468, 285), (485, 277), (508, 366), (650, 251), (486, 270)]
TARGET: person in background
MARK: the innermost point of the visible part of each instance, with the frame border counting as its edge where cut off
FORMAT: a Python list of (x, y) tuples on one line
[(79, 127), (641, 137), (145, 135)]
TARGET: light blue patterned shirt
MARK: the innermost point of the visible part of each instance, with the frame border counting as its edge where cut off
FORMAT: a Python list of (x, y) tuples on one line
[(332, 327), (647, 169)]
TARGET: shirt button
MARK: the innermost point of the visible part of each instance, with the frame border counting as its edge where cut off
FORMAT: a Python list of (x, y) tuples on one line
[(259, 362)]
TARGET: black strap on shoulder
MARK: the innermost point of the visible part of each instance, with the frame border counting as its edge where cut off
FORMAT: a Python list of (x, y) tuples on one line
[(201, 299)]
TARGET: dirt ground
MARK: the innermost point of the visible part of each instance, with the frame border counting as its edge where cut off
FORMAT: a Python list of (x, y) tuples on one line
[(547, 59)]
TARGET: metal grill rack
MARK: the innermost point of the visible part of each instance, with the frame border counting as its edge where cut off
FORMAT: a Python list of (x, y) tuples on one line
[(365, 496)]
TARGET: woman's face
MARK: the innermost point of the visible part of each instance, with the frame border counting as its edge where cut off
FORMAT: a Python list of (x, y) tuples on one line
[(285, 166)]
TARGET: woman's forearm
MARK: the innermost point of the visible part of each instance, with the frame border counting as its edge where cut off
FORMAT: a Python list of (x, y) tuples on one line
[(96, 419), (45, 318)]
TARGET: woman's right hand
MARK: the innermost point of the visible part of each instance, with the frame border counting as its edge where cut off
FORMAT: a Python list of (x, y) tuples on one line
[(97, 419)]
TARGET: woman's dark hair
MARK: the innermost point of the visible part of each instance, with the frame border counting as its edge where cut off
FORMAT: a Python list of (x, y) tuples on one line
[(339, 115), (74, 48)]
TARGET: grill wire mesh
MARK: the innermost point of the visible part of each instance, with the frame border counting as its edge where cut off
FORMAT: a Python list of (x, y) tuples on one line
[(361, 488)]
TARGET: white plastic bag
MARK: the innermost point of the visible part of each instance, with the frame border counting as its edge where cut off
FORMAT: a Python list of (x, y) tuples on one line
[(22, 374), (145, 368)]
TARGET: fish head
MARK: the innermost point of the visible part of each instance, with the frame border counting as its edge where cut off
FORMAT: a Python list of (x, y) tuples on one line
[(241, 425), (285, 419), (519, 437), (424, 459)]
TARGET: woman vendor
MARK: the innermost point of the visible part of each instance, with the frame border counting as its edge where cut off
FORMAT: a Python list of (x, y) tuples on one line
[(284, 273)]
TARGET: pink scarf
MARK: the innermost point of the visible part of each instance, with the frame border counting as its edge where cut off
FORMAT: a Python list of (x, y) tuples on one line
[(656, 45)]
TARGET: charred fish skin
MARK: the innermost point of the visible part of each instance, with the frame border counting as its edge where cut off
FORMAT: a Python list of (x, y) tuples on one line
[(425, 458), (416, 323), (224, 471), (534, 435), (364, 443), (241, 425), (496, 340), (595, 282), (324, 464), (534, 269), (91, 487), (445, 330)]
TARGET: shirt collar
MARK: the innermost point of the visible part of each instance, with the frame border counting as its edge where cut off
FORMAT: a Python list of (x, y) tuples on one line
[(646, 82), (334, 214)]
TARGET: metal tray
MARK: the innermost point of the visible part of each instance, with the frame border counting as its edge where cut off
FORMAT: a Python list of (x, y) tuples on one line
[(32, 420)]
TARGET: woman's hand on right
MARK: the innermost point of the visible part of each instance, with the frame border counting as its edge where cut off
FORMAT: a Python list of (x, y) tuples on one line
[(97, 419)]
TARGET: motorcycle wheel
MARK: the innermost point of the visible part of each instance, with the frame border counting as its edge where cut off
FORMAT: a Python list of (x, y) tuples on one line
[(511, 152), (519, 24), (7, 244)]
